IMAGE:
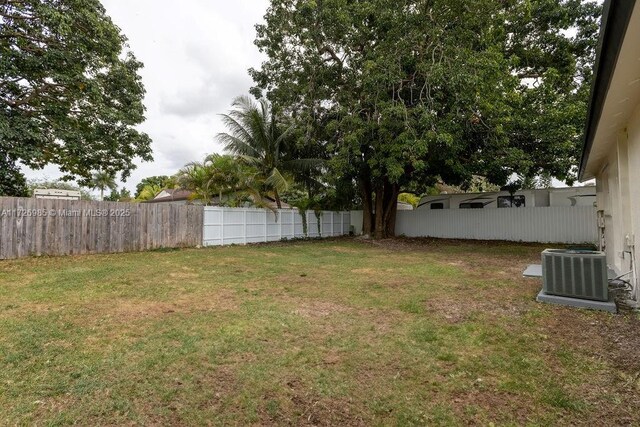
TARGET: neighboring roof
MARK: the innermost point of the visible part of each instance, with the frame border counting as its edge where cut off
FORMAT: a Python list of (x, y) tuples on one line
[(272, 203), (54, 193), (175, 195), (615, 21)]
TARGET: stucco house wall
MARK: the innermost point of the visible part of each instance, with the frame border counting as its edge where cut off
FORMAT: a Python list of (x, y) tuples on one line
[(611, 151)]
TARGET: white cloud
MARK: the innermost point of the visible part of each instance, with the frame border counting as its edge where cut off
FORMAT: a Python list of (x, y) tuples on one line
[(196, 54)]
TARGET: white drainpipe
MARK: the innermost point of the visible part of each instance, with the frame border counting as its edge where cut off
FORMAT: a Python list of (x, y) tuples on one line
[(635, 295)]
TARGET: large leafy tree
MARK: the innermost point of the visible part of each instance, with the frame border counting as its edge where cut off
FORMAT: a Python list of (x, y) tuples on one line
[(550, 45), (12, 182), (70, 92), (403, 93)]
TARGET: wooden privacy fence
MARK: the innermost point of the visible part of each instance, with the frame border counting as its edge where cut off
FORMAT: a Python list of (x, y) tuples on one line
[(64, 227)]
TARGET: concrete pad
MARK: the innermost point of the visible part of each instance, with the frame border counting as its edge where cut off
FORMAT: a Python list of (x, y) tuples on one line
[(534, 270), (609, 306)]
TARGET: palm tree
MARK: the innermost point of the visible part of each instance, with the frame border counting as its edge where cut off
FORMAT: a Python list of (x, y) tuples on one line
[(257, 138), (196, 177), (103, 180), (225, 176), (150, 191), (245, 184), (217, 175)]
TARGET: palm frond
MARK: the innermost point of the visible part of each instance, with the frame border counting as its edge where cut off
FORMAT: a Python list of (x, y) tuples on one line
[(303, 165), (238, 145), (282, 137), (237, 129), (257, 139), (277, 181), (250, 161), (259, 202)]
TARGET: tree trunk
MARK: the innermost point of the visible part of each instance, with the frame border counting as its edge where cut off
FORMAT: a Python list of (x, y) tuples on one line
[(367, 206), (277, 197), (379, 215), (391, 211), (310, 193), (385, 211), (380, 232)]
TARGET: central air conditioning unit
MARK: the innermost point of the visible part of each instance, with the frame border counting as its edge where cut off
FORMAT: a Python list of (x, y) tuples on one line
[(575, 274)]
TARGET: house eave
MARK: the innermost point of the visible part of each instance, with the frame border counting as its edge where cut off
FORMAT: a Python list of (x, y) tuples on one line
[(615, 22)]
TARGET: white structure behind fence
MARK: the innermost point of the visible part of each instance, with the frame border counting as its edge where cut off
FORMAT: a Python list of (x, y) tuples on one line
[(227, 226), (576, 224)]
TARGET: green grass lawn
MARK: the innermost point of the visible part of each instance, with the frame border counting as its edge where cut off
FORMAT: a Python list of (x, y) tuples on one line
[(327, 332)]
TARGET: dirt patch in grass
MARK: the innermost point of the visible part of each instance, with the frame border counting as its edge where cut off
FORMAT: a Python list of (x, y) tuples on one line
[(610, 339), (474, 405), (456, 311), (458, 305), (183, 275), (623, 333), (307, 407), (314, 309), (223, 384), (27, 308), (480, 259), (412, 243), (368, 270), (615, 337), (344, 250), (126, 310)]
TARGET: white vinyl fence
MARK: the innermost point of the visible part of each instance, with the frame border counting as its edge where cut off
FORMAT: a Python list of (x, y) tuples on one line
[(228, 226), (576, 224)]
